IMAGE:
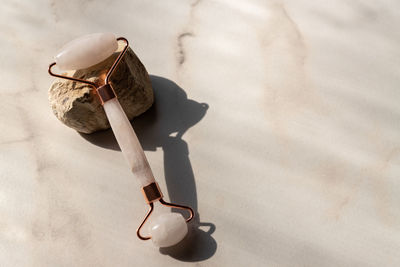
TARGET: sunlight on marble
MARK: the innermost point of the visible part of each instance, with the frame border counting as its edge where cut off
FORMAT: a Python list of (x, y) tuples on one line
[(280, 118)]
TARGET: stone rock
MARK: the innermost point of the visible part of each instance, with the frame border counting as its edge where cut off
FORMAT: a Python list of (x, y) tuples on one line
[(77, 106)]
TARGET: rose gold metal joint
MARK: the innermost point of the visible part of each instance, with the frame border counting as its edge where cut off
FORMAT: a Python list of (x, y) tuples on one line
[(105, 93), (152, 192)]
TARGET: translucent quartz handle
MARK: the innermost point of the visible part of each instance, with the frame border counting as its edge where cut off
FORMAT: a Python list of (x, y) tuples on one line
[(128, 142)]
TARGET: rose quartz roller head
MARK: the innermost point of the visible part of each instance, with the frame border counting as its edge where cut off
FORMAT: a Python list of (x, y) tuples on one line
[(169, 228)]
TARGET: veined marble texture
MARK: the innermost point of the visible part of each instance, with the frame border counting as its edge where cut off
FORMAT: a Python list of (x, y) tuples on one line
[(278, 121)]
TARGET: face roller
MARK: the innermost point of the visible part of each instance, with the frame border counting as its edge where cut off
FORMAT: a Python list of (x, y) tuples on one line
[(168, 228)]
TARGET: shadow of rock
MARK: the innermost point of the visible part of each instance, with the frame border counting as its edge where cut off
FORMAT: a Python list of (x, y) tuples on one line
[(163, 125)]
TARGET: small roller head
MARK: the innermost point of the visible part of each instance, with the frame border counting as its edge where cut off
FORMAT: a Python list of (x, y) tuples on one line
[(86, 51), (168, 229)]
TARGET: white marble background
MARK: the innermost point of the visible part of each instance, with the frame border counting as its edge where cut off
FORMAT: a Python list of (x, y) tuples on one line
[(296, 161)]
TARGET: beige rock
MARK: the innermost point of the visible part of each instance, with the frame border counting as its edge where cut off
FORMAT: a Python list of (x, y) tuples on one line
[(76, 105)]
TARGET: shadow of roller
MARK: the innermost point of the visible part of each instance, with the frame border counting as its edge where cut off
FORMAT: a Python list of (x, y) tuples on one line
[(163, 125)]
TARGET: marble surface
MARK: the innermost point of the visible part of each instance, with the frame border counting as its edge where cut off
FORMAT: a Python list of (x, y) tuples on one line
[(278, 121)]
